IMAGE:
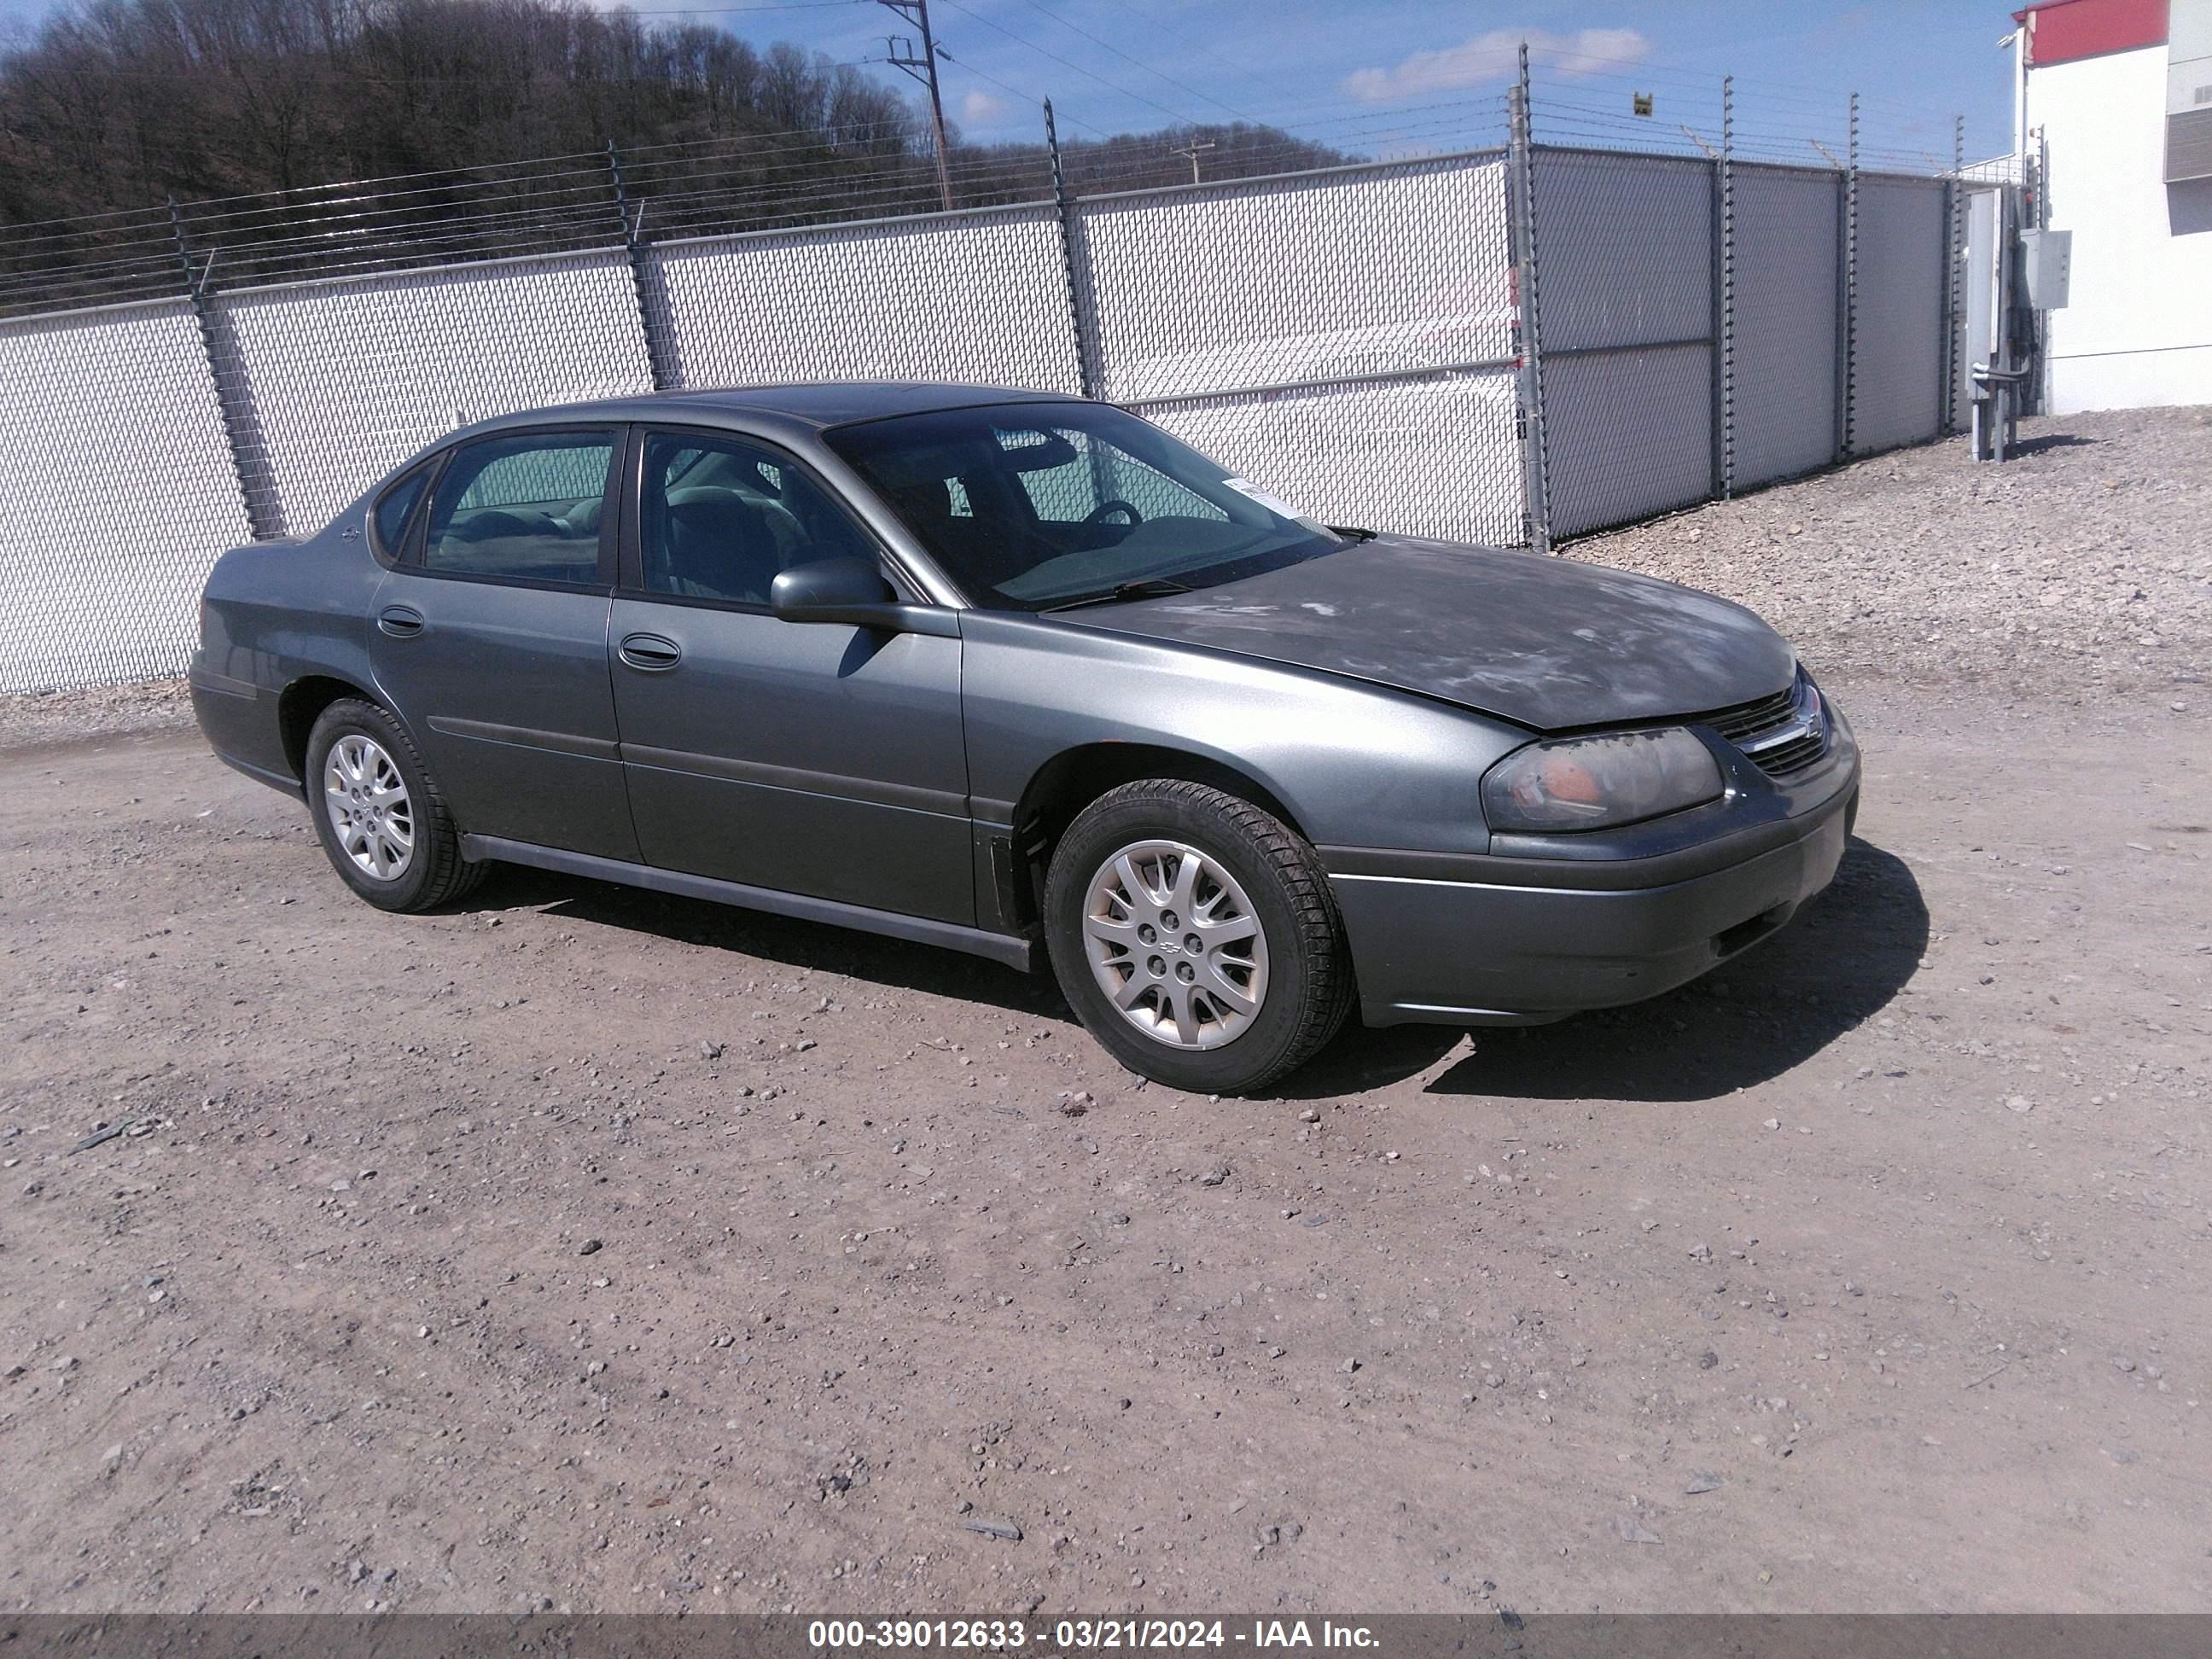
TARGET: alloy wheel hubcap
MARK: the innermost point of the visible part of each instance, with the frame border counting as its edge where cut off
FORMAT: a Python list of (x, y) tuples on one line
[(1175, 944), (367, 803)]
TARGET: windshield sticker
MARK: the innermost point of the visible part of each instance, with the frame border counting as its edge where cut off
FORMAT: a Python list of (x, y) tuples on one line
[(1251, 491)]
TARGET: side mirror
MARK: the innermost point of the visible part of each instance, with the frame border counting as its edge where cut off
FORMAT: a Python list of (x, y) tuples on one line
[(834, 590), (854, 591)]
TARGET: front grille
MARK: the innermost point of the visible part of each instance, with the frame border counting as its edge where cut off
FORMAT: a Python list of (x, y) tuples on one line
[(1747, 721), (1793, 755), (1783, 733)]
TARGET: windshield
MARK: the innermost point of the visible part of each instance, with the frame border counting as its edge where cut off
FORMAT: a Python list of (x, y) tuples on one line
[(1034, 506)]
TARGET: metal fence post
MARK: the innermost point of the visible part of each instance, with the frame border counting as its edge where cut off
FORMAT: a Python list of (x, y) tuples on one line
[(1954, 227), (654, 320), (1086, 347), (1724, 298), (234, 400), (2039, 322), (1847, 384), (1521, 183)]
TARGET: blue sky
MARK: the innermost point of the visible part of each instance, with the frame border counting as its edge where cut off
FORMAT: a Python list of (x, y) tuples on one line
[(1367, 73), (1365, 67)]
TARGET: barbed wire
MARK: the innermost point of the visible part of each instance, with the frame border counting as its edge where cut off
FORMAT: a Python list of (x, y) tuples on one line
[(794, 178)]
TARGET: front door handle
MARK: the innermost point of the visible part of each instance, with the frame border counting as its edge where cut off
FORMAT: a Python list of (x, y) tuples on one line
[(402, 622), (650, 653)]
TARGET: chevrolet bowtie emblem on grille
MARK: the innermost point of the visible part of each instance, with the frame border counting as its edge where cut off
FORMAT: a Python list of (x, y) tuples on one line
[(1801, 739)]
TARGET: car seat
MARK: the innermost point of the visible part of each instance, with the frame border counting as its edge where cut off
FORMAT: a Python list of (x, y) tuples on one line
[(718, 546)]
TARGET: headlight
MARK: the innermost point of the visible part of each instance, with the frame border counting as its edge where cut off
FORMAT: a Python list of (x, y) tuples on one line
[(1594, 783)]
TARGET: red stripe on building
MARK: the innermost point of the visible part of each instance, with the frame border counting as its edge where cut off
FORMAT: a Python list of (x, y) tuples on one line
[(2060, 31)]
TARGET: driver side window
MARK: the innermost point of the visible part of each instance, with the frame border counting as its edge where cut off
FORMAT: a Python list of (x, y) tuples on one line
[(525, 507), (720, 519)]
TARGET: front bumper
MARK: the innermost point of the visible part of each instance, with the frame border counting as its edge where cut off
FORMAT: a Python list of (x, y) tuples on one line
[(1510, 941)]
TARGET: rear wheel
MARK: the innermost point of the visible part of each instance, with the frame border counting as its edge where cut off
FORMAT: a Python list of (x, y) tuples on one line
[(380, 819), (1195, 937)]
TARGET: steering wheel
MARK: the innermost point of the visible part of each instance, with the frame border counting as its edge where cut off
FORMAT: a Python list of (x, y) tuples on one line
[(1104, 508)]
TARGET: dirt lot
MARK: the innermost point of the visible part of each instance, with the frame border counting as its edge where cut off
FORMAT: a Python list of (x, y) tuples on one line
[(590, 1250)]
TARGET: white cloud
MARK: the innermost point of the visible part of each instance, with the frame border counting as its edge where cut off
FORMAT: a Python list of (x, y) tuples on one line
[(983, 109), (1495, 56)]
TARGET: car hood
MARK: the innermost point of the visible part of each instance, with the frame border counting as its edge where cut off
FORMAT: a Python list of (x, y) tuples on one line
[(1546, 642)]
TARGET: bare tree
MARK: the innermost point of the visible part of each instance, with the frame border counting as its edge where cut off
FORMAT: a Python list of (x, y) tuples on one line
[(114, 104)]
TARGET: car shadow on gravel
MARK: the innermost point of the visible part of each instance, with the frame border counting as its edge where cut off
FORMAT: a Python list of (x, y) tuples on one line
[(1838, 962), (893, 964)]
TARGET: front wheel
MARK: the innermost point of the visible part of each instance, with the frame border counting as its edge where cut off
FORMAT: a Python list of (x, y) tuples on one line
[(1195, 937)]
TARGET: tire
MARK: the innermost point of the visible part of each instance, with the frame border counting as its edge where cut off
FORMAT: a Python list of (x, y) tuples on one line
[(1174, 1014), (387, 832)]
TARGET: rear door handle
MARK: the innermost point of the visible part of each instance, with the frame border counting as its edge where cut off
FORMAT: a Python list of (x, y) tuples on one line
[(650, 653), (402, 622)]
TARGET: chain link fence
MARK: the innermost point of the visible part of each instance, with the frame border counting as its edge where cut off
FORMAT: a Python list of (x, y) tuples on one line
[(979, 297), (1344, 338), (337, 382), (1903, 254), (1497, 346), (1786, 287), (1625, 333), (122, 489)]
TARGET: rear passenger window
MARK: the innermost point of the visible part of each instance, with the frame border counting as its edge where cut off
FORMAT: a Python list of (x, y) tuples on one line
[(525, 507), (394, 508)]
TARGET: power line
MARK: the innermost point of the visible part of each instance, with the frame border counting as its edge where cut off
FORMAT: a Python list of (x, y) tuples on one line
[(1037, 5), (1027, 98), (1248, 73), (1020, 40)]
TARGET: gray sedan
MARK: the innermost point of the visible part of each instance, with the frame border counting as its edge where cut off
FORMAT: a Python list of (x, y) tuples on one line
[(1025, 676)]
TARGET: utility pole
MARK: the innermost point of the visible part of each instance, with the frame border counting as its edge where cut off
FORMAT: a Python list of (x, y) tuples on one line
[(924, 70), (1193, 149)]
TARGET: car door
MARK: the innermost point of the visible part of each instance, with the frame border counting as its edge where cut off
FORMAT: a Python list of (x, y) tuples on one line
[(817, 759), (491, 640)]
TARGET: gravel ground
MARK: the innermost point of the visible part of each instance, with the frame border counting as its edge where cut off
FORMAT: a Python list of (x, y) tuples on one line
[(97, 711), (592, 1249), (589, 1248), (2083, 566)]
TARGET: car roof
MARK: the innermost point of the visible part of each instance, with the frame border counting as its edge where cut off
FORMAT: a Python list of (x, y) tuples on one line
[(815, 403)]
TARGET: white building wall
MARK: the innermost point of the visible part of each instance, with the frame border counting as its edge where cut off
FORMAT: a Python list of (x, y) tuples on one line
[(2138, 329)]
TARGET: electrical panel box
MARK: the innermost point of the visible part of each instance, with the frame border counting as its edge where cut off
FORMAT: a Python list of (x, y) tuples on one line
[(2188, 91), (2047, 257)]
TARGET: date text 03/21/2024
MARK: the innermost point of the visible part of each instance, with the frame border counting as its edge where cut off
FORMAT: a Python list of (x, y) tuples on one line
[(1085, 1635)]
